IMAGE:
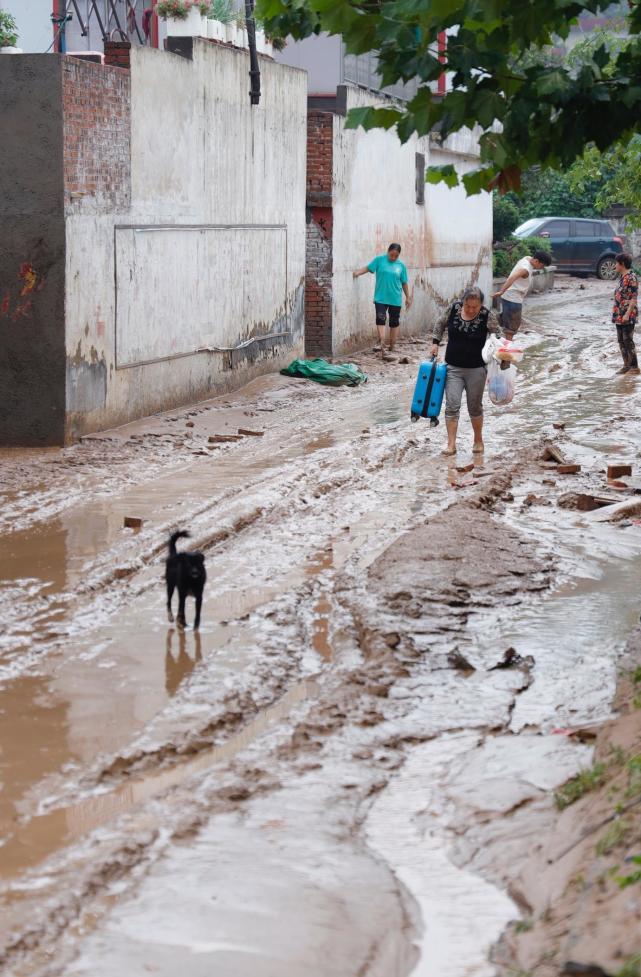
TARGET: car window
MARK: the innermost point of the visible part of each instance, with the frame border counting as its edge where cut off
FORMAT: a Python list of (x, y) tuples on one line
[(524, 229), (557, 228)]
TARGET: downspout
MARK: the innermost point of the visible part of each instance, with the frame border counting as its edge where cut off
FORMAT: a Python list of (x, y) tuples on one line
[(154, 25), (254, 70)]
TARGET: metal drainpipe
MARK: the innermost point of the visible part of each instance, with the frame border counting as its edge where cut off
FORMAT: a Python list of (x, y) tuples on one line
[(254, 70)]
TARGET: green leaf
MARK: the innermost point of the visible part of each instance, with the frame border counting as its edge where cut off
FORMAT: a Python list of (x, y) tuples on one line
[(476, 180), (372, 118), (554, 83), (442, 174)]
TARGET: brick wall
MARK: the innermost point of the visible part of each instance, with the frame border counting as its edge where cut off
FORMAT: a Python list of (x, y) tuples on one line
[(118, 54), (96, 104), (318, 255)]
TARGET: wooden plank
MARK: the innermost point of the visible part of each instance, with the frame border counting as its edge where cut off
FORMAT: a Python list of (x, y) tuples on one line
[(617, 471), (552, 453)]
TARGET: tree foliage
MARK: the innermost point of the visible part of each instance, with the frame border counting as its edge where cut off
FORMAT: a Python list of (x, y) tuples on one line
[(507, 217), (530, 110), (547, 193), (510, 251), (617, 175)]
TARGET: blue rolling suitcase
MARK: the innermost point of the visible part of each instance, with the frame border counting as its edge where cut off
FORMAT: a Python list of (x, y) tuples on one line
[(429, 391)]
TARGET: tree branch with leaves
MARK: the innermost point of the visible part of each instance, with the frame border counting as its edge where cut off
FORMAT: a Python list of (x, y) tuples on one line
[(529, 110)]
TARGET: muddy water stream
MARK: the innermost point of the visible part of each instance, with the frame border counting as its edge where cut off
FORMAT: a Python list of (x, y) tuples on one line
[(109, 679), (117, 668)]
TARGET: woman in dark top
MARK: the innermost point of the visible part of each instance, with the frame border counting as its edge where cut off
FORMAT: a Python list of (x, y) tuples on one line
[(468, 323)]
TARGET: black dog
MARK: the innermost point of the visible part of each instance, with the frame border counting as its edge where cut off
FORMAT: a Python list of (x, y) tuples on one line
[(185, 571)]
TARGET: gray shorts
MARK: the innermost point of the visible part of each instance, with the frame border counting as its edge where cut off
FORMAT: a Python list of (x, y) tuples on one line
[(472, 381), (510, 316)]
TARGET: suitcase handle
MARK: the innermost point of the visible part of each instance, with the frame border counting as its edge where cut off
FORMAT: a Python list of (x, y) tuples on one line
[(428, 392)]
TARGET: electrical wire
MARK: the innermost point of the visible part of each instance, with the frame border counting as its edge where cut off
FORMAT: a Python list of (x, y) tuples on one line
[(57, 32)]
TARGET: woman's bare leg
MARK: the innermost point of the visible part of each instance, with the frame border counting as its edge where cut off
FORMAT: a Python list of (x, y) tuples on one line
[(451, 423), (477, 427)]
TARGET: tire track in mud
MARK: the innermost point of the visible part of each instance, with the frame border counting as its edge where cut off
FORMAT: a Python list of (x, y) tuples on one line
[(261, 683), (104, 593), (367, 716)]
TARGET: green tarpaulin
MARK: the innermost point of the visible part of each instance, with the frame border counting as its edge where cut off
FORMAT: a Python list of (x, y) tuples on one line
[(333, 374)]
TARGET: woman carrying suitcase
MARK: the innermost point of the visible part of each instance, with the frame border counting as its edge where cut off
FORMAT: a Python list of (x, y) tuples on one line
[(468, 323)]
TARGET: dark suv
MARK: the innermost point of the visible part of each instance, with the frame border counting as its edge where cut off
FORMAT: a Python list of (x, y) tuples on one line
[(578, 245)]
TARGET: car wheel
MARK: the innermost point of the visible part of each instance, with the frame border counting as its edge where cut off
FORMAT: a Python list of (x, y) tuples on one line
[(606, 269)]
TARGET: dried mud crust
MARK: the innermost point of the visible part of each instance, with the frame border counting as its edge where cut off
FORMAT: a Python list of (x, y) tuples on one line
[(358, 730), (579, 915)]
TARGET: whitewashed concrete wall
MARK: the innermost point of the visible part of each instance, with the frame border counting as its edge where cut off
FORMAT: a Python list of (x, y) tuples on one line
[(446, 241), (150, 284)]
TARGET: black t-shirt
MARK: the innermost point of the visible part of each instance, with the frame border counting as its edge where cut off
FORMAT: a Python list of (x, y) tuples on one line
[(466, 339)]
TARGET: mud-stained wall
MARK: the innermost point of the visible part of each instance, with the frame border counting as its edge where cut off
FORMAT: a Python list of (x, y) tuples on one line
[(32, 340), (209, 251), (152, 213), (446, 239)]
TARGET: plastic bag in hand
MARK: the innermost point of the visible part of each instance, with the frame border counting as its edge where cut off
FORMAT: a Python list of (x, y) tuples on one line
[(501, 383), (492, 345)]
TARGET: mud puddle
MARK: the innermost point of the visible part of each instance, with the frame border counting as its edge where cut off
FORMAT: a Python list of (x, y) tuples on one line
[(46, 833), (117, 682)]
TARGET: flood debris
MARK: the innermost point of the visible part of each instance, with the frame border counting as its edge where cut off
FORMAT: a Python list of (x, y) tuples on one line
[(133, 522), (512, 659), (533, 499), (622, 510), (224, 438), (246, 432), (584, 501), (552, 453), (574, 969), (618, 471), (459, 662)]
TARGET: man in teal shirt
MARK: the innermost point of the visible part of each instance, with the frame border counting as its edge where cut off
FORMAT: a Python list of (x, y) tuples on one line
[(391, 283)]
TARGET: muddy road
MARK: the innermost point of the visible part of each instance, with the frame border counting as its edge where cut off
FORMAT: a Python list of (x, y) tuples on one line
[(344, 772)]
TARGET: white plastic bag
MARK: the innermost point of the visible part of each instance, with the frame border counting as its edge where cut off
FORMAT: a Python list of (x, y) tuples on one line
[(492, 345), (501, 384)]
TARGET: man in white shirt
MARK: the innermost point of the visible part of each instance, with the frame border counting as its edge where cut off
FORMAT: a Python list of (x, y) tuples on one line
[(516, 288)]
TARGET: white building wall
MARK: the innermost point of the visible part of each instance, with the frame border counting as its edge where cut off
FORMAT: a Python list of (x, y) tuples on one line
[(211, 250), (446, 241)]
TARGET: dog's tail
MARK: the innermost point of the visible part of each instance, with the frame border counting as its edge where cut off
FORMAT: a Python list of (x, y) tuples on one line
[(181, 534)]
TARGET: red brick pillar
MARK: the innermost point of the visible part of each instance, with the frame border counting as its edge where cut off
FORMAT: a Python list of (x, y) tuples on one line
[(118, 54), (318, 254)]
